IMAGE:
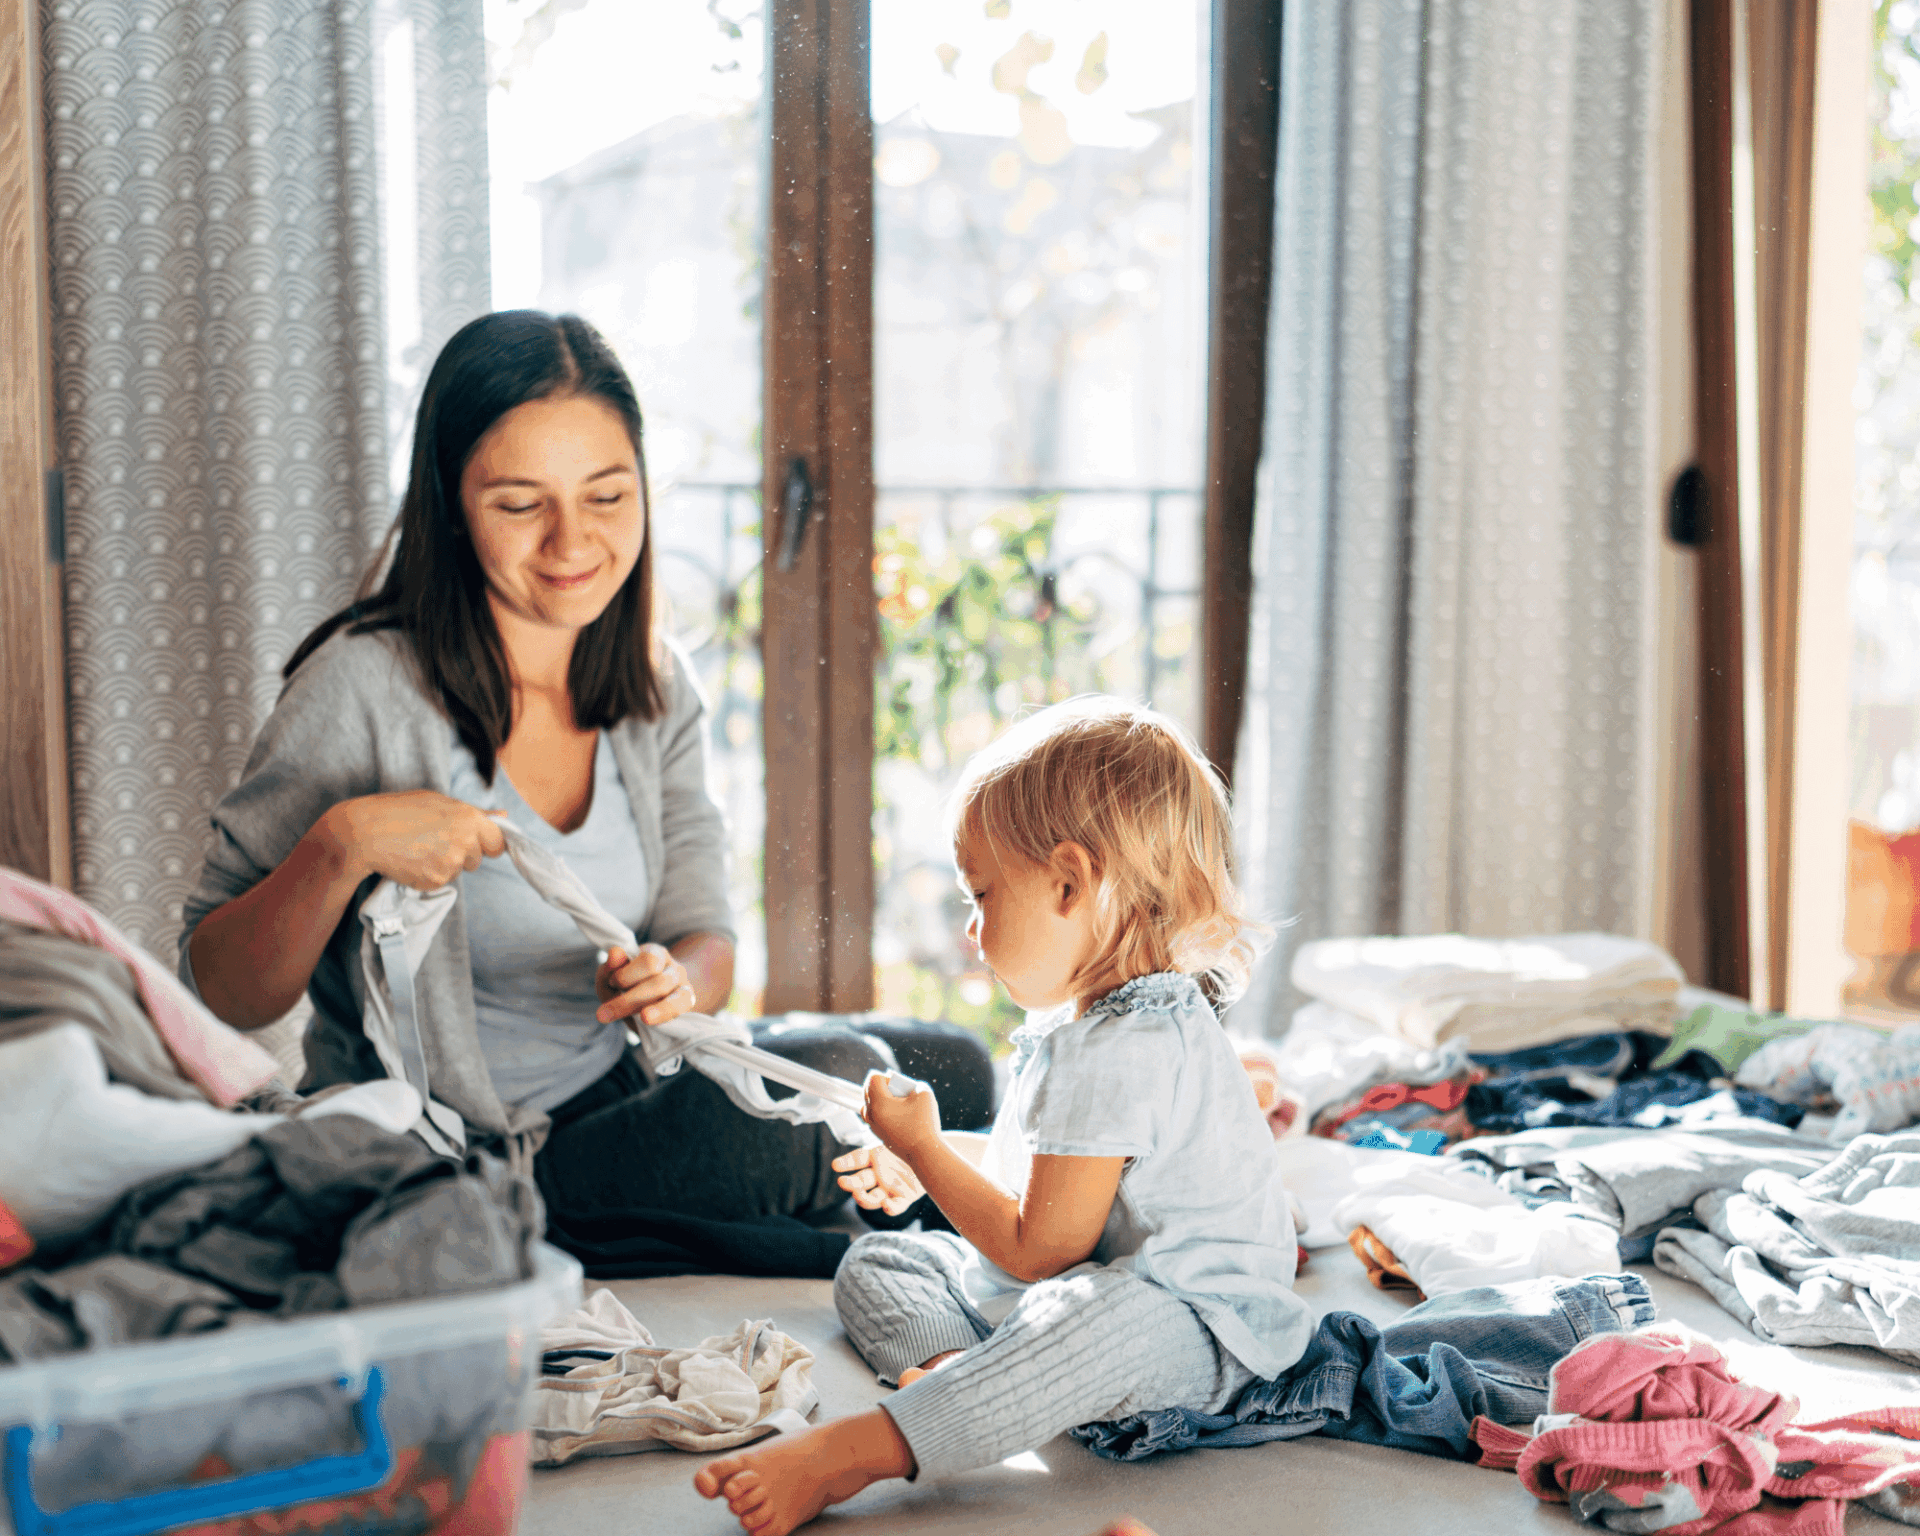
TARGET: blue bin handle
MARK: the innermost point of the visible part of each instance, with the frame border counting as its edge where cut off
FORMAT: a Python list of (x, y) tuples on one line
[(325, 1477)]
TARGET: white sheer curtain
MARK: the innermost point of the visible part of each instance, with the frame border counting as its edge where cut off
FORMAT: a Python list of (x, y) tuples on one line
[(1451, 693), (215, 222)]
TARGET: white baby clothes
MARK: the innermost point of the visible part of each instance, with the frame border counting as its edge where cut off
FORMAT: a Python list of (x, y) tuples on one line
[(1448, 1245), (613, 1391)]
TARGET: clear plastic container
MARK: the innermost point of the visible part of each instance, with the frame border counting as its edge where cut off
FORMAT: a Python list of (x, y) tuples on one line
[(381, 1421)]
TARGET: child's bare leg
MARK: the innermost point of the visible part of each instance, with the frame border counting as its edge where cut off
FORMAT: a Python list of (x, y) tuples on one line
[(784, 1482), (927, 1367)]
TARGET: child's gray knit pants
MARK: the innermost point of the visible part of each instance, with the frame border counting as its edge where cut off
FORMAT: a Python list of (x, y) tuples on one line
[(1085, 1347)]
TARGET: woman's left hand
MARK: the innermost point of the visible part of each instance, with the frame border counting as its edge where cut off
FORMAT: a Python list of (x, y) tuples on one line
[(649, 985)]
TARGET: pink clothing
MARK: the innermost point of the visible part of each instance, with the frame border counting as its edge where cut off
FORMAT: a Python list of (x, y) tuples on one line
[(1654, 1421), (218, 1060), (16, 1242)]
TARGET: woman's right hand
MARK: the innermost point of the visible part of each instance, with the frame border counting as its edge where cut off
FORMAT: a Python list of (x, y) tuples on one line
[(419, 837)]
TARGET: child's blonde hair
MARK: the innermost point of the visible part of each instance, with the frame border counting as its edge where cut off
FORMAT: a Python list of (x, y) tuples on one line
[(1129, 786)]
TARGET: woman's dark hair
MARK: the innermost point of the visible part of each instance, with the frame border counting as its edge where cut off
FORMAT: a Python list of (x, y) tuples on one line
[(435, 592)]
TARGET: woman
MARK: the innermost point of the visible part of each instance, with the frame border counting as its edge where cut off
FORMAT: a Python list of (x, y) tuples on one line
[(506, 667)]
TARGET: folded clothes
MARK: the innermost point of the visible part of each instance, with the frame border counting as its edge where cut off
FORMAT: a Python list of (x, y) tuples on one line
[(1419, 1384), (1829, 1258), (607, 1389), (1872, 1078), (1320, 1175), (1328, 1054), (48, 979), (1494, 994), (1448, 1245), (1659, 1098), (308, 1216), (1635, 1179), (1406, 1107), (1650, 1431)]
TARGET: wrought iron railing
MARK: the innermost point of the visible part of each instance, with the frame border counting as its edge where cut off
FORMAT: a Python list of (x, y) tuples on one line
[(992, 599)]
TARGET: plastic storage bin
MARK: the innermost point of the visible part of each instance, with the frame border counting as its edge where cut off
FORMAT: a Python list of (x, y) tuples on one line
[(399, 1420)]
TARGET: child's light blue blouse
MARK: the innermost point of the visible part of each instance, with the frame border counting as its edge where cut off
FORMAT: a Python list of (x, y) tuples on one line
[(1148, 1074)]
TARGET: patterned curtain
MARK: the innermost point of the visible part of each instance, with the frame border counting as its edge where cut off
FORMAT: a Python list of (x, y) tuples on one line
[(1450, 719), (220, 385)]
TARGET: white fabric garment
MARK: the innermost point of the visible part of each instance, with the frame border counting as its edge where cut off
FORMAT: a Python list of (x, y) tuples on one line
[(1452, 1236), (72, 1143), (1320, 1174), (1494, 994), (399, 924), (391, 1105), (1447, 1247), (724, 1392), (1330, 1054)]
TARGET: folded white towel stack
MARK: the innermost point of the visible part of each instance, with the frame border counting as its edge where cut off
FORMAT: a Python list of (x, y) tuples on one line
[(1494, 994)]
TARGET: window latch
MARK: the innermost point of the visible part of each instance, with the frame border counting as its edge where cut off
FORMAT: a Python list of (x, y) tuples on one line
[(796, 508)]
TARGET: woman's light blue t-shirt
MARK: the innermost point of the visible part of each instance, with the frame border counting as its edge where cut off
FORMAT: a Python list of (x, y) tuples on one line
[(1148, 1074), (533, 996)]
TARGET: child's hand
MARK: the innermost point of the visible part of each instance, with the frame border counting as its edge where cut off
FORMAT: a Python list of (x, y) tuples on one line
[(878, 1179), (905, 1125)]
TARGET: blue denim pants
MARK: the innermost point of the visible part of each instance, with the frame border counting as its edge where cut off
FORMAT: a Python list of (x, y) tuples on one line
[(1417, 1384)]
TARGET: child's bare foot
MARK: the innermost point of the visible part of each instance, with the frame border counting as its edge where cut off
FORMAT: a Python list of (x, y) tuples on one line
[(927, 1367), (784, 1482)]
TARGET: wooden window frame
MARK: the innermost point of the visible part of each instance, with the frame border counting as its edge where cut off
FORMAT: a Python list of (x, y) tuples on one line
[(820, 625), (819, 639), (1245, 136), (1808, 154), (35, 821)]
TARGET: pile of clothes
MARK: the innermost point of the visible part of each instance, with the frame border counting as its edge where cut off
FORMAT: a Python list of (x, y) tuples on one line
[(156, 1178), (1592, 1114), (1650, 1431), (1471, 1037)]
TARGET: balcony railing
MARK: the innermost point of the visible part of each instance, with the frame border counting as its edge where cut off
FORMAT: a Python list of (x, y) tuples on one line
[(992, 600)]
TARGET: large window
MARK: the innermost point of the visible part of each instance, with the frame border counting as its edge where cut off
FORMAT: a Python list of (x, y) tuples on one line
[(1037, 302), (625, 144)]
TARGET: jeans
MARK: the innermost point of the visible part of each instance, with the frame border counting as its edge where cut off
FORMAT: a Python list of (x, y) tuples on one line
[(1417, 1384)]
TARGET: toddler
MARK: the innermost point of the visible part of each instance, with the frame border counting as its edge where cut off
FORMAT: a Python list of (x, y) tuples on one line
[(1124, 1245)]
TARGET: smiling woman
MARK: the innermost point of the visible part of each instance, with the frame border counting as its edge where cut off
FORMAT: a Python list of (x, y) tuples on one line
[(506, 666)]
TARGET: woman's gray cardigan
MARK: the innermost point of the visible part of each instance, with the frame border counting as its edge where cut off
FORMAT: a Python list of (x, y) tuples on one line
[(354, 720)]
